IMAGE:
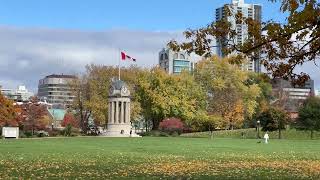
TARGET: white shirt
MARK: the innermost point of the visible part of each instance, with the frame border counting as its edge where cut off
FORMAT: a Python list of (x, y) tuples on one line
[(266, 136)]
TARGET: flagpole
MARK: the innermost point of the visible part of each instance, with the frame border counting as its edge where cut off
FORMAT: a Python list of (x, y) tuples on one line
[(119, 63)]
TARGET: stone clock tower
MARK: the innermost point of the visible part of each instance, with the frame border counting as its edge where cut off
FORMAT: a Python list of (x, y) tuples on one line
[(119, 124)]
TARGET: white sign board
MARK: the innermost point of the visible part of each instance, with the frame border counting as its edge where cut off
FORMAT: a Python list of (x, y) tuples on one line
[(10, 132)]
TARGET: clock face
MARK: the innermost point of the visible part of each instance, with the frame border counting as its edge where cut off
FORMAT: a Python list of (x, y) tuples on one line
[(111, 90), (124, 90)]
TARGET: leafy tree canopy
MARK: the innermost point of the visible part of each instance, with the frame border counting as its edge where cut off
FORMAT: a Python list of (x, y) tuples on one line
[(228, 94), (9, 114), (309, 115), (282, 46)]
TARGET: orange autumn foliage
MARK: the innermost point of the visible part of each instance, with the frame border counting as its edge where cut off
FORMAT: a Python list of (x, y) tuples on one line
[(9, 114)]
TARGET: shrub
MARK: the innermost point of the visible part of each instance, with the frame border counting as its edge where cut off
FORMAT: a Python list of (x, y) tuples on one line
[(172, 126), (42, 133), (28, 134), (22, 134), (70, 131), (67, 130), (54, 133)]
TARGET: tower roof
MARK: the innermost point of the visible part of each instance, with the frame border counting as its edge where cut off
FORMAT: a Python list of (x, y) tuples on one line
[(118, 84)]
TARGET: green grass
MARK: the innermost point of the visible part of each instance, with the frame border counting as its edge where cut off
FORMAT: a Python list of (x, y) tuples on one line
[(154, 158), (252, 134)]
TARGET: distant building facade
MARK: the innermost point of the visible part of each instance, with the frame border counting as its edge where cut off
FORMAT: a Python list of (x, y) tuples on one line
[(293, 96), (55, 90), (21, 94), (175, 62), (294, 92), (253, 11)]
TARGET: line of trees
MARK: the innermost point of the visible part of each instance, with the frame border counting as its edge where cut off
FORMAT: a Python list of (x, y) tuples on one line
[(28, 117), (217, 94)]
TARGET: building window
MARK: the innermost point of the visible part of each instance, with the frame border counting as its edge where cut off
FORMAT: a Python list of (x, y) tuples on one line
[(166, 56), (180, 63), (161, 57)]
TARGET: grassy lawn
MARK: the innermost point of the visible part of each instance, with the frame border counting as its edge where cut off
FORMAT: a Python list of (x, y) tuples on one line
[(154, 158)]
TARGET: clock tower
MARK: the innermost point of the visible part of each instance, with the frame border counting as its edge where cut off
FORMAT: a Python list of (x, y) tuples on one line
[(119, 124)]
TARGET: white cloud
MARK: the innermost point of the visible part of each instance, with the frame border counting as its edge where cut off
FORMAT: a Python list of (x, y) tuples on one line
[(29, 54)]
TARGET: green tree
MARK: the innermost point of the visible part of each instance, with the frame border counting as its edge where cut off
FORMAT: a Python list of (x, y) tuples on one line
[(282, 46), (309, 115), (210, 123), (273, 119), (162, 96), (264, 99)]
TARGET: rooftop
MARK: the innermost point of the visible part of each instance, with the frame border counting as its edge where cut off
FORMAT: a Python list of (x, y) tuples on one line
[(61, 76), (57, 114)]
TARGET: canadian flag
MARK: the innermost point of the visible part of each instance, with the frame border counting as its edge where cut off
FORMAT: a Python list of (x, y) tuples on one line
[(124, 57)]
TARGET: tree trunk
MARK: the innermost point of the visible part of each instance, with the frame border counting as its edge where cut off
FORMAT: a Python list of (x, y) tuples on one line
[(311, 134), (146, 125), (155, 124), (280, 133), (211, 133)]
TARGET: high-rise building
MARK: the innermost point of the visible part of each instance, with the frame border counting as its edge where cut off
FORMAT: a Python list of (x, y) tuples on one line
[(317, 92), (55, 90), (175, 62), (21, 94), (249, 11)]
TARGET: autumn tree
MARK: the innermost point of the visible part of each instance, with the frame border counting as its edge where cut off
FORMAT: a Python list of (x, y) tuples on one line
[(92, 92), (99, 80), (82, 93), (34, 114), (282, 46), (227, 93), (309, 115), (9, 114), (69, 119)]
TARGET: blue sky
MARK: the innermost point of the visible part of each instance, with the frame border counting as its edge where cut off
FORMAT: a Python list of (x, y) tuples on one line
[(163, 15)]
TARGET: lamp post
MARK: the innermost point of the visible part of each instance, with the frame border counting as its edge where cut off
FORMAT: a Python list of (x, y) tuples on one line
[(258, 127), (52, 126)]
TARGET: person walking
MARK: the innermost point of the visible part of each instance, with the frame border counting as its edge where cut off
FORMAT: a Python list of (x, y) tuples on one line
[(266, 137)]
